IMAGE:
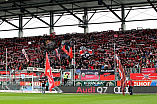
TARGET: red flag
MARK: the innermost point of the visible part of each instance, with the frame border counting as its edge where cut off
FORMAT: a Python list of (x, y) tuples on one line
[(48, 73), (71, 53), (122, 74), (68, 50), (24, 52)]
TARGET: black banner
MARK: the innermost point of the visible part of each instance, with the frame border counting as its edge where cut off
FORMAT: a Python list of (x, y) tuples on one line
[(86, 89), (107, 74), (101, 89)]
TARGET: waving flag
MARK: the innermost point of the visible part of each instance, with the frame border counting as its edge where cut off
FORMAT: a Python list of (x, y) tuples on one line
[(122, 74), (24, 52), (68, 50), (85, 52), (48, 73), (57, 53)]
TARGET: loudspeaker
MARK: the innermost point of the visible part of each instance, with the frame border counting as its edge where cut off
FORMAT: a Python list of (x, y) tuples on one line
[(22, 10), (100, 2)]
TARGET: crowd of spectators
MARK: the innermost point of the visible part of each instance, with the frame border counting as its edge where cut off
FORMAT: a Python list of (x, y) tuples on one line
[(136, 49)]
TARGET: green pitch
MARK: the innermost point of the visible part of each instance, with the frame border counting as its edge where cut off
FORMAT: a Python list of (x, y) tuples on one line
[(25, 98)]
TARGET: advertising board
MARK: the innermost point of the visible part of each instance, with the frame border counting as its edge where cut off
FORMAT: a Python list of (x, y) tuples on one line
[(101, 89), (36, 83), (143, 76), (107, 74), (89, 74), (148, 70), (142, 83), (92, 83)]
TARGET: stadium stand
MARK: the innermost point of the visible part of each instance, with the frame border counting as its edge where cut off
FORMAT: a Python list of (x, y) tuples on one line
[(136, 48)]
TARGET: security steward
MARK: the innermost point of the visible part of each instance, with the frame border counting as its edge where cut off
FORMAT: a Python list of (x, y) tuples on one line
[(130, 84), (30, 84), (65, 78)]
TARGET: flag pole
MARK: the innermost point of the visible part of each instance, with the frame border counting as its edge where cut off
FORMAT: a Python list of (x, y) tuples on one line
[(74, 65), (115, 69), (6, 65)]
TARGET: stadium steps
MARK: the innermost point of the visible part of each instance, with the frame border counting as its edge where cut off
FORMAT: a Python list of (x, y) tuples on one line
[(13, 87), (69, 83)]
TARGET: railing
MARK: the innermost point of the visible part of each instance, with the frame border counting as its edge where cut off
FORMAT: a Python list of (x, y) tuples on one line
[(21, 82)]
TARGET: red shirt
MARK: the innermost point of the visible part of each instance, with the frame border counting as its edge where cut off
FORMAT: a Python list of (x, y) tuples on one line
[(130, 83)]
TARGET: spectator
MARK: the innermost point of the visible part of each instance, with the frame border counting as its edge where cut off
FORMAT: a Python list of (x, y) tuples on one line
[(43, 86), (137, 50), (47, 85), (96, 84)]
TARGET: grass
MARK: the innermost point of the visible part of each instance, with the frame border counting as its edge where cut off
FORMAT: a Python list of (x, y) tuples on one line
[(30, 98)]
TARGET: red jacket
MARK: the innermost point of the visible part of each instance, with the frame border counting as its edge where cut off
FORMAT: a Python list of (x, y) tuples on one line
[(130, 83)]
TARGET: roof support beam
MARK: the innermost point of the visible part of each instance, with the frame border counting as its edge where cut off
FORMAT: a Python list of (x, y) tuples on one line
[(20, 26), (110, 9), (152, 5), (69, 12), (27, 22), (128, 13), (79, 24), (40, 19), (1, 23), (91, 16), (85, 19), (8, 22), (123, 18), (24, 10), (32, 6), (51, 22), (58, 19), (10, 12)]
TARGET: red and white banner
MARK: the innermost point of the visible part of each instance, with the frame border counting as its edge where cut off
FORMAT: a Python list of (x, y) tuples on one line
[(143, 76), (107, 74), (4, 72), (48, 73), (58, 55), (85, 52), (89, 74), (24, 52), (56, 74), (107, 77), (36, 83), (148, 70), (141, 83)]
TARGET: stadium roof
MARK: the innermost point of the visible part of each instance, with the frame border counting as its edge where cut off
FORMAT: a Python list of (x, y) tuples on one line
[(14, 8), (17, 9)]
